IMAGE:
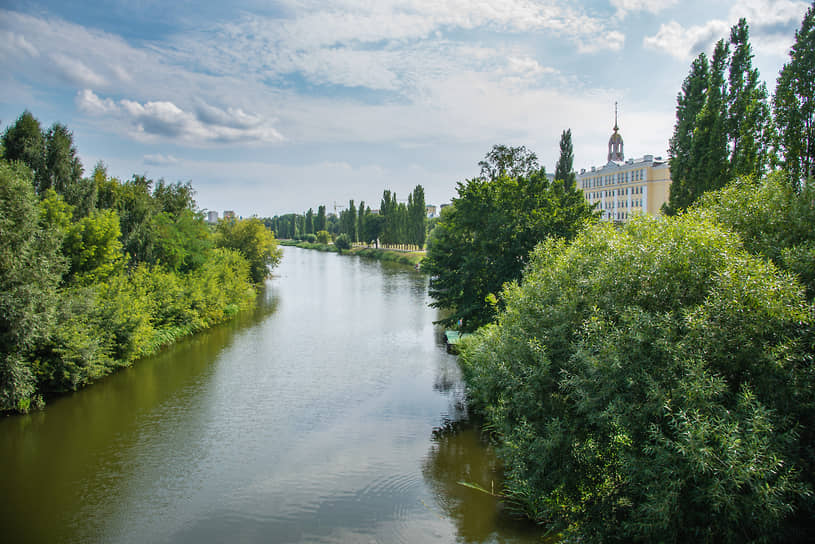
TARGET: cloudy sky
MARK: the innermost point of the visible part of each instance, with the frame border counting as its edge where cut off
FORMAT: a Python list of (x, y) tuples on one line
[(277, 106)]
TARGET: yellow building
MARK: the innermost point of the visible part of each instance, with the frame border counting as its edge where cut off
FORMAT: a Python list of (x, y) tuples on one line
[(623, 188)]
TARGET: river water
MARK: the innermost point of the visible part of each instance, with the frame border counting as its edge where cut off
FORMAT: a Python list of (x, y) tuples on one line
[(331, 413)]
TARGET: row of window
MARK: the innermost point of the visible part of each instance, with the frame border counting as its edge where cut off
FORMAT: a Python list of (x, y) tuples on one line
[(638, 190), (620, 177), (609, 204)]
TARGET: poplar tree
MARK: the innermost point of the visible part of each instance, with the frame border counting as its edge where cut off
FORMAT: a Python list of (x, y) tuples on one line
[(564, 170), (689, 103), (794, 104), (319, 223), (748, 114), (310, 221)]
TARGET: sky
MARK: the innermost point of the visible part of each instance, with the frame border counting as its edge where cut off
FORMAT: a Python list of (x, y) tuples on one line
[(280, 106)]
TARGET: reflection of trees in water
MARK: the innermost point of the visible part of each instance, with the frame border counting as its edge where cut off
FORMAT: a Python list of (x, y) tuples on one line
[(459, 453)]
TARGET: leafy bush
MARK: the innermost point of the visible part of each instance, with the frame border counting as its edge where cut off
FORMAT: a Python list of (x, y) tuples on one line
[(773, 219), (652, 383), (342, 242), (323, 237)]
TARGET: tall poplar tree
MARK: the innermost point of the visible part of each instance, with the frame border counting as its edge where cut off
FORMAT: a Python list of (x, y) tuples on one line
[(794, 104), (564, 169), (748, 113), (319, 222), (689, 103)]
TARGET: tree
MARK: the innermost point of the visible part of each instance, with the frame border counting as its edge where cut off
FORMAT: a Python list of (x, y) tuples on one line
[(254, 241), (689, 105), (24, 141), (643, 377), (174, 198), (748, 114), (564, 170), (342, 242), (483, 240), (374, 226), (93, 248), (31, 267), (508, 161), (319, 222), (417, 216), (310, 221), (794, 104), (363, 212), (709, 151)]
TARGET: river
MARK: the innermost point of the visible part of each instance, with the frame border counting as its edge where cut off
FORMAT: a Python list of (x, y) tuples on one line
[(330, 413)]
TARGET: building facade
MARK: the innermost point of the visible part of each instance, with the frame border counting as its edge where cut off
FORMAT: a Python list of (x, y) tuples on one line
[(623, 188)]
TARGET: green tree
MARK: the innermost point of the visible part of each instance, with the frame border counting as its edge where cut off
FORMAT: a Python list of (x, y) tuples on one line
[(508, 161), (254, 241), (323, 237), (644, 377), (342, 242), (174, 198), (794, 104), (319, 222), (417, 217), (748, 113), (689, 103), (24, 141), (374, 226), (31, 268), (709, 150), (564, 170), (773, 218), (361, 214), (483, 240), (310, 221), (93, 248)]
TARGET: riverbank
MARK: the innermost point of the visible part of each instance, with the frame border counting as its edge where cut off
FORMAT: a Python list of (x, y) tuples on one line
[(409, 258)]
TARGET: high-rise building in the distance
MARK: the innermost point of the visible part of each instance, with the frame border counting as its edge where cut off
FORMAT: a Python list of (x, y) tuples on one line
[(623, 187)]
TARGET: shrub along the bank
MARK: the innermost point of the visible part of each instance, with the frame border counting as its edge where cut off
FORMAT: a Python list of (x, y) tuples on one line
[(652, 383)]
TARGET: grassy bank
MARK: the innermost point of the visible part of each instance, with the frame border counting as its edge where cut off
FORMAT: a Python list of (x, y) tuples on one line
[(409, 258)]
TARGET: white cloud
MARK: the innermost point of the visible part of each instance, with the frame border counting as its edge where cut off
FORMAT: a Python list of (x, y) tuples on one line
[(156, 120), (681, 42), (651, 6), (157, 159), (13, 43), (772, 25)]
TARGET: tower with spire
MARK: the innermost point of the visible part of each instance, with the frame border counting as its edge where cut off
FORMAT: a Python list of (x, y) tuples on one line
[(615, 142)]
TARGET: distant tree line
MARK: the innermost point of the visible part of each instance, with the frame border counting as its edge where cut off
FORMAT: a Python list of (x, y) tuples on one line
[(395, 223), (96, 272)]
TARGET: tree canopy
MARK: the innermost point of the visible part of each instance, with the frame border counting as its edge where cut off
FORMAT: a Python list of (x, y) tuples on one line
[(483, 239)]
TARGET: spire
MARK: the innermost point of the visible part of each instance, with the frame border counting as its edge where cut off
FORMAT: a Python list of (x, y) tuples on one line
[(615, 143)]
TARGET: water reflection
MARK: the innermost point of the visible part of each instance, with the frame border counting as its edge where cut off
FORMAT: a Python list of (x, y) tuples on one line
[(461, 453)]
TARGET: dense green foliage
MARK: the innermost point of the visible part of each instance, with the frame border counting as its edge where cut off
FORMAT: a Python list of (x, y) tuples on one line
[(653, 383), (774, 219), (483, 239), (95, 272), (254, 241), (794, 104)]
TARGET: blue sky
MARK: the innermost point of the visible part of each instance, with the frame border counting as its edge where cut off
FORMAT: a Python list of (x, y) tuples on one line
[(275, 107)]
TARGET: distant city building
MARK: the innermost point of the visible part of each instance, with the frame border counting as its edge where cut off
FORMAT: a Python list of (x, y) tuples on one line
[(431, 210), (229, 214), (444, 206), (212, 217), (623, 188)]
